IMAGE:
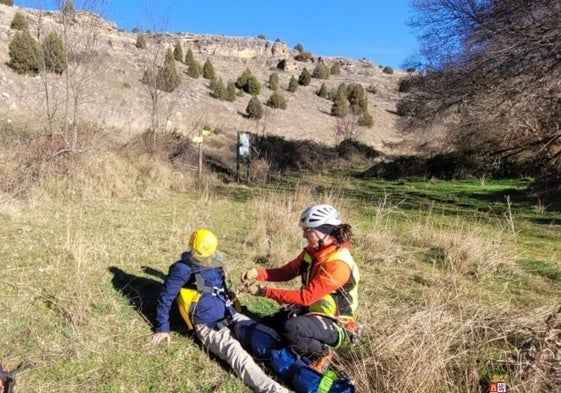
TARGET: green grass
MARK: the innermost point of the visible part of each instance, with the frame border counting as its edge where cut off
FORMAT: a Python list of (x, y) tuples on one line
[(542, 269), (448, 269), (536, 225)]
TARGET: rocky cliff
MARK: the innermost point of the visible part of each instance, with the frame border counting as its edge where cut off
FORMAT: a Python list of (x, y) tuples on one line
[(111, 92)]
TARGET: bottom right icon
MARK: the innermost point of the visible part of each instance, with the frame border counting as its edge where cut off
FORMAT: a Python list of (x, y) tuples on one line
[(497, 384)]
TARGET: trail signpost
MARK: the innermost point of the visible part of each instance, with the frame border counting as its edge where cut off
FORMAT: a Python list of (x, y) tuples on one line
[(199, 140), (243, 152)]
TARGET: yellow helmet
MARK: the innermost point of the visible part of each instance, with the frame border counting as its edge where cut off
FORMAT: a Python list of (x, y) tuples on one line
[(203, 243)]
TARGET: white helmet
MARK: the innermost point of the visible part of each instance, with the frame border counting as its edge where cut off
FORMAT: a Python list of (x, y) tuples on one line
[(317, 215)]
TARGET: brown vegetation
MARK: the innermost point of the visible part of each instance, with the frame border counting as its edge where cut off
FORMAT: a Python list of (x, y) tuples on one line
[(492, 80)]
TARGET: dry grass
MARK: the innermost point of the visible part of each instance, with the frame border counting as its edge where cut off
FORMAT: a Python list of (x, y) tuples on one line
[(443, 304)]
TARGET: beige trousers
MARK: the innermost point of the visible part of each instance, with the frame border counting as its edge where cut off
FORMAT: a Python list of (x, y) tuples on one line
[(224, 344)]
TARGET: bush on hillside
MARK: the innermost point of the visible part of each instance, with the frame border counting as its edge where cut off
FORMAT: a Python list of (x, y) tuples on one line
[(253, 86), (323, 92), (287, 155), (401, 167), (335, 69), (405, 107), (54, 53), (19, 22), (349, 148), (292, 84), (68, 10), (357, 97), (387, 70), (305, 77), (168, 147), (208, 70), (226, 93), (149, 77), (217, 87), (342, 90), (321, 71), (195, 69), (304, 56), (242, 79), (277, 101), (140, 41), (7, 2), (189, 57), (404, 85), (456, 165), (248, 83), (341, 104), (254, 109), (178, 52), (25, 54), (366, 120), (230, 92), (168, 78), (274, 81)]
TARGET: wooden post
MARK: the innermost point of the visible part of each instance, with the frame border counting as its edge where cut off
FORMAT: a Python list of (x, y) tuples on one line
[(199, 139), (200, 168)]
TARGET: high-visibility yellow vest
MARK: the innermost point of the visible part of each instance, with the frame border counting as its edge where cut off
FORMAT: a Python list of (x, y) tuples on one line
[(341, 303)]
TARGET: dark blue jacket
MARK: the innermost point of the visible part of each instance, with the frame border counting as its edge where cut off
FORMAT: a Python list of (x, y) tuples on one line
[(210, 309)]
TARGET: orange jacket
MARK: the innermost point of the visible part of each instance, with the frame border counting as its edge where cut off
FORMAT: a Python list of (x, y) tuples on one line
[(324, 278)]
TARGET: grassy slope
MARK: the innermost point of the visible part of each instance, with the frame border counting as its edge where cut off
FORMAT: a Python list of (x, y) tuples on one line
[(450, 281)]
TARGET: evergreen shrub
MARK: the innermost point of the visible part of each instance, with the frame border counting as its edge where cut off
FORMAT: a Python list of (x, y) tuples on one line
[(25, 54), (254, 109), (19, 22)]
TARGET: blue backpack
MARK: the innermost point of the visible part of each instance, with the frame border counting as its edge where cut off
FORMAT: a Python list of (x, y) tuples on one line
[(255, 339), (288, 365), (294, 369)]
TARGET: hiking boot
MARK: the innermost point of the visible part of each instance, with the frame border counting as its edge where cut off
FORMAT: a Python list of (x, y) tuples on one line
[(321, 365)]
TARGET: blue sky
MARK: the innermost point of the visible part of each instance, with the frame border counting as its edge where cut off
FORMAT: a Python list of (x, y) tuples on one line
[(374, 29)]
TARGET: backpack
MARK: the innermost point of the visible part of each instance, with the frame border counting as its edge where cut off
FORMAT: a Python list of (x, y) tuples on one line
[(288, 365), (257, 340), (296, 371), (186, 302)]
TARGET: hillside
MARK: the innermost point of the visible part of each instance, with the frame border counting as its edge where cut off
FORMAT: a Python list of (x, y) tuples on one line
[(114, 97)]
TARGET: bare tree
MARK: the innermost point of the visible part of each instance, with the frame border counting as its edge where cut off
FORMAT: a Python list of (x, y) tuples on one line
[(51, 86), (262, 124), (162, 101), (348, 128), (491, 74), (80, 32)]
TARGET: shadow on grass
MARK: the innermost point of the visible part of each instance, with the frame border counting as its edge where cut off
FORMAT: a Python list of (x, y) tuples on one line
[(142, 294)]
